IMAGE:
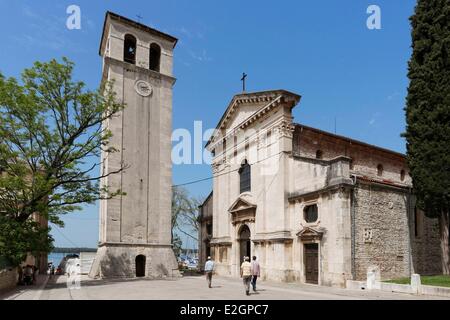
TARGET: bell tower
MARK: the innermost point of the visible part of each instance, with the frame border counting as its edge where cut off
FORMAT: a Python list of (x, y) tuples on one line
[(135, 229)]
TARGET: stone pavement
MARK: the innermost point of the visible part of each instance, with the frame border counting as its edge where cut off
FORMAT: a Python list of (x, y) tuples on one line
[(32, 292), (194, 288)]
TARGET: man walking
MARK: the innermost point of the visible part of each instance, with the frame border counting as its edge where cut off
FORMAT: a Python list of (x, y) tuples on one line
[(246, 274), (255, 272), (209, 268)]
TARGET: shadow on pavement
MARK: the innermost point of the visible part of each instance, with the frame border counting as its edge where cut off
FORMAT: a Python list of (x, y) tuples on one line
[(54, 284), (23, 289)]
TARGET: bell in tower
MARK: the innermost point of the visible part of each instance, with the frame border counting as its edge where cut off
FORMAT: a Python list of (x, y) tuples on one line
[(135, 229)]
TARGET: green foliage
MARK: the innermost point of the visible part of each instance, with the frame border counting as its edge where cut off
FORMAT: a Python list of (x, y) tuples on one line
[(50, 127), (439, 280), (428, 106), (51, 136), (17, 239), (4, 263)]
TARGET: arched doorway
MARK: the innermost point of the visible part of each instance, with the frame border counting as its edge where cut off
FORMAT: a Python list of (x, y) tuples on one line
[(140, 266), (244, 238)]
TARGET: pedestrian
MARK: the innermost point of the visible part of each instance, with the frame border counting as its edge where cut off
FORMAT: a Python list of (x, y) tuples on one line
[(28, 275), (255, 272), (209, 268), (246, 274)]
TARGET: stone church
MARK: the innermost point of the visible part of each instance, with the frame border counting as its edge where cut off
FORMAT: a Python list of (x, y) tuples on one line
[(313, 206)]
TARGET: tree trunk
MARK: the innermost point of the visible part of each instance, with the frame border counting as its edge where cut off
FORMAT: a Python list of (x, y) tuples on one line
[(444, 223)]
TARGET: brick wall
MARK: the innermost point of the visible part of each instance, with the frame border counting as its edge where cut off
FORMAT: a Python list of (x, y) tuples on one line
[(365, 158)]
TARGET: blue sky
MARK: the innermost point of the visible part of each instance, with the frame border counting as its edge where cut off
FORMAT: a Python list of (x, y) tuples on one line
[(320, 49)]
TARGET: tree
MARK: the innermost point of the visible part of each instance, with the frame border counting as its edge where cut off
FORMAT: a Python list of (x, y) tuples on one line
[(428, 114), (184, 215), (51, 134), (17, 239)]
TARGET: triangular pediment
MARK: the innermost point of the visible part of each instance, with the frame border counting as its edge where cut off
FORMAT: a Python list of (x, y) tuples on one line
[(241, 113), (241, 204), (311, 233), (253, 106)]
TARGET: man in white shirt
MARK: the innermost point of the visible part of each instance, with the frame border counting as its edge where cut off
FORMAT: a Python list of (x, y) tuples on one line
[(246, 274), (209, 268)]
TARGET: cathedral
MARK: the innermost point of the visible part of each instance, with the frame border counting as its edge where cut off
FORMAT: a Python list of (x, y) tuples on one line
[(312, 206)]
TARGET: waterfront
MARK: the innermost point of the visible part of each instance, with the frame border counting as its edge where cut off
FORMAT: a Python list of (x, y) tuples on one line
[(56, 257)]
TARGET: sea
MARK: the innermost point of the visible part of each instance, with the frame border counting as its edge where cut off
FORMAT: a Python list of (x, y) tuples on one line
[(56, 257)]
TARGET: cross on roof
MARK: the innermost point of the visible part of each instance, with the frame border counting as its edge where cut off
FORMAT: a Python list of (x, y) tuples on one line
[(244, 75)]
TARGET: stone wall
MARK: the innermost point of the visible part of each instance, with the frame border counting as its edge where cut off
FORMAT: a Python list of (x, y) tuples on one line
[(386, 234), (381, 231), (8, 279)]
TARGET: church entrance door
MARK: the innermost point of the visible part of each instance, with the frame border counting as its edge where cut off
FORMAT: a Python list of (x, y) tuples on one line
[(312, 263), (140, 266), (244, 238)]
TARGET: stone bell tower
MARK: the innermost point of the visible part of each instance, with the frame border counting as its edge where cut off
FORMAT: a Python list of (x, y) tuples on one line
[(135, 229)]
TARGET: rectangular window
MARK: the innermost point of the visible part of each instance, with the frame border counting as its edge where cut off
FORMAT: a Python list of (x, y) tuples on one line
[(245, 178), (310, 213)]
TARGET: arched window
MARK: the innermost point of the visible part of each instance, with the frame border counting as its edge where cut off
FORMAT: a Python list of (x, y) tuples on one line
[(245, 177), (155, 57), (129, 49), (319, 154), (402, 175), (379, 170)]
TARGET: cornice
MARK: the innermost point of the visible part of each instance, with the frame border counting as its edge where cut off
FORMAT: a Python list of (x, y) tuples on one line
[(108, 61)]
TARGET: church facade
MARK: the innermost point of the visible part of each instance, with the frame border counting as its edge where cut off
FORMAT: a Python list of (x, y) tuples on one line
[(314, 207)]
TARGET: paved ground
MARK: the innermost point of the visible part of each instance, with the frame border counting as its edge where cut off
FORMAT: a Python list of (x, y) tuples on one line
[(186, 288)]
